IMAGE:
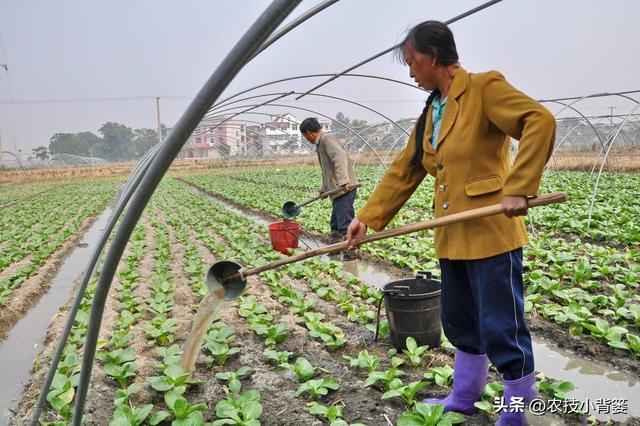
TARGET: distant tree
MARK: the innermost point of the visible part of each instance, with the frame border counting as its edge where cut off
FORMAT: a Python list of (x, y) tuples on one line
[(73, 143), (116, 141), (41, 153), (143, 140), (344, 123)]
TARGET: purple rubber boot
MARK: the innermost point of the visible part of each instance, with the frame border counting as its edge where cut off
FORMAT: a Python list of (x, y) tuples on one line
[(469, 378), (519, 393)]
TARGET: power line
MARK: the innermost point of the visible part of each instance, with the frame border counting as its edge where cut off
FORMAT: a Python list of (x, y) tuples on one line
[(82, 100)]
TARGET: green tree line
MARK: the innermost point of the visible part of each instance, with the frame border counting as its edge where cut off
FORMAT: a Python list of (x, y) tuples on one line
[(116, 142)]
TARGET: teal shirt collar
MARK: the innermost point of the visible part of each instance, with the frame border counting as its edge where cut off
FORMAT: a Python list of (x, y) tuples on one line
[(437, 112)]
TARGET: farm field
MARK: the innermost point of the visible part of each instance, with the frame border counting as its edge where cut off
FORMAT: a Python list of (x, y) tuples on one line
[(579, 276), (298, 346), (39, 226)]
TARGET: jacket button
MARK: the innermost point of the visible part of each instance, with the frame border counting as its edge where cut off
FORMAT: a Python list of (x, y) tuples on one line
[(440, 167), (441, 187), (445, 205)]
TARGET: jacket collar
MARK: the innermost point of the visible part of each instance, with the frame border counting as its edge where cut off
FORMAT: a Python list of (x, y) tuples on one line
[(458, 86), (319, 139)]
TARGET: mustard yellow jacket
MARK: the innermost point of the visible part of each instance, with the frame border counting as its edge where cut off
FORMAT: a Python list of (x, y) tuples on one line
[(471, 165)]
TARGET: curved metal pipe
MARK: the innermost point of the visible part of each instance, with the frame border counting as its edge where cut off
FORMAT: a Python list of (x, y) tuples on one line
[(320, 114), (293, 24), (390, 49), (595, 189), (304, 76), (319, 95), (276, 12), (132, 182)]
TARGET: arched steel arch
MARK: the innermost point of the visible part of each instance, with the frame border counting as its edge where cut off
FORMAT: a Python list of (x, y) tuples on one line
[(313, 112)]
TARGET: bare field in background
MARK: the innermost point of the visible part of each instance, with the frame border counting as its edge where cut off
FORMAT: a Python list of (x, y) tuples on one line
[(620, 161)]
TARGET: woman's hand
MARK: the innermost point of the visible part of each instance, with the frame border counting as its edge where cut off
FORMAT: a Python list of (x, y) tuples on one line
[(514, 205), (355, 230)]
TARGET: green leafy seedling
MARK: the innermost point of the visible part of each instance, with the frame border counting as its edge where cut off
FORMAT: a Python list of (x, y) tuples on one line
[(302, 369), (243, 410), (429, 415), (414, 352), (161, 329), (220, 353), (278, 358), (443, 376), (233, 377), (62, 392), (331, 413), (386, 377), (557, 389), (317, 388), (405, 392), (174, 378), (491, 391), (122, 373), (170, 355), (183, 412), (117, 356), (124, 415), (364, 361), (276, 334)]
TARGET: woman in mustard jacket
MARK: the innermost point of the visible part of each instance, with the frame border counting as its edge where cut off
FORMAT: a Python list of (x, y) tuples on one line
[(462, 138)]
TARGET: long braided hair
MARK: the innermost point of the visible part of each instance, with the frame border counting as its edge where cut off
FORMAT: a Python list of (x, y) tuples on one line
[(432, 38)]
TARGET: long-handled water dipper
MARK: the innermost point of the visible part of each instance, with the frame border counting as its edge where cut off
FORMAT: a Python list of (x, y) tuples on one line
[(231, 277), (290, 209)]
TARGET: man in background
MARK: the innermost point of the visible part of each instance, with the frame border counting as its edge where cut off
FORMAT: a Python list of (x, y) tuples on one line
[(337, 171)]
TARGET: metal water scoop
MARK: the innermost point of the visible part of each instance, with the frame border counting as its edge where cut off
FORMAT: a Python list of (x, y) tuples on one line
[(232, 277)]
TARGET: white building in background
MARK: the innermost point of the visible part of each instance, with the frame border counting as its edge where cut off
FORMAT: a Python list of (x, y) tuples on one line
[(325, 123), (216, 138), (282, 133)]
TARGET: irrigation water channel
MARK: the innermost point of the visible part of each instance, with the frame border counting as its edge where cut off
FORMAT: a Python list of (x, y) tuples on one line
[(592, 379), (25, 340)]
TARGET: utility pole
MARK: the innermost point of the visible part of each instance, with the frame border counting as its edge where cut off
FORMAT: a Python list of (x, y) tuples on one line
[(6, 68), (158, 117), (611, 116)]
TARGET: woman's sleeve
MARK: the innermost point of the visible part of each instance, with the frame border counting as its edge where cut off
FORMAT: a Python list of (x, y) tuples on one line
[(526, 120), (394, 189)]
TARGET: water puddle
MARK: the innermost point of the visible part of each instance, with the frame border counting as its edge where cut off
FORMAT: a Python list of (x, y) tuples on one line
[(25, 340), (592, 380), (370, 273)]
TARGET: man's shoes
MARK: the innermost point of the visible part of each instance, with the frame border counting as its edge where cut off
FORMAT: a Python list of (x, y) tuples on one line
[(336, 237), (349, 255)]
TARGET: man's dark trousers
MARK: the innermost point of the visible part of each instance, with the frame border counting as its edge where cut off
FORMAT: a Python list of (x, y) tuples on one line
[(343, 212)]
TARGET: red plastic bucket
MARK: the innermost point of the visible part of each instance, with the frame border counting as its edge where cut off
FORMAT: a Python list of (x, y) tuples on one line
[(284, 235)]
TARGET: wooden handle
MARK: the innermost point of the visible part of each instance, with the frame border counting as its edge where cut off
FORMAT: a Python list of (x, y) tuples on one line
[(494, 209), (324, 194)]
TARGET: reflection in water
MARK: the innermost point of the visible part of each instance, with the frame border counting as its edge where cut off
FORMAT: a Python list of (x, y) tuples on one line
[(593, 380), (371, 274)]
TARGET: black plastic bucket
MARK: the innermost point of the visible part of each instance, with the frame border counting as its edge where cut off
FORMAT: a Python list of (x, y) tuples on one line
[(413, 310)]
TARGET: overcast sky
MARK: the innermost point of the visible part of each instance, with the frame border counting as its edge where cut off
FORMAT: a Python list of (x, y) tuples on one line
[(140, 49)]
